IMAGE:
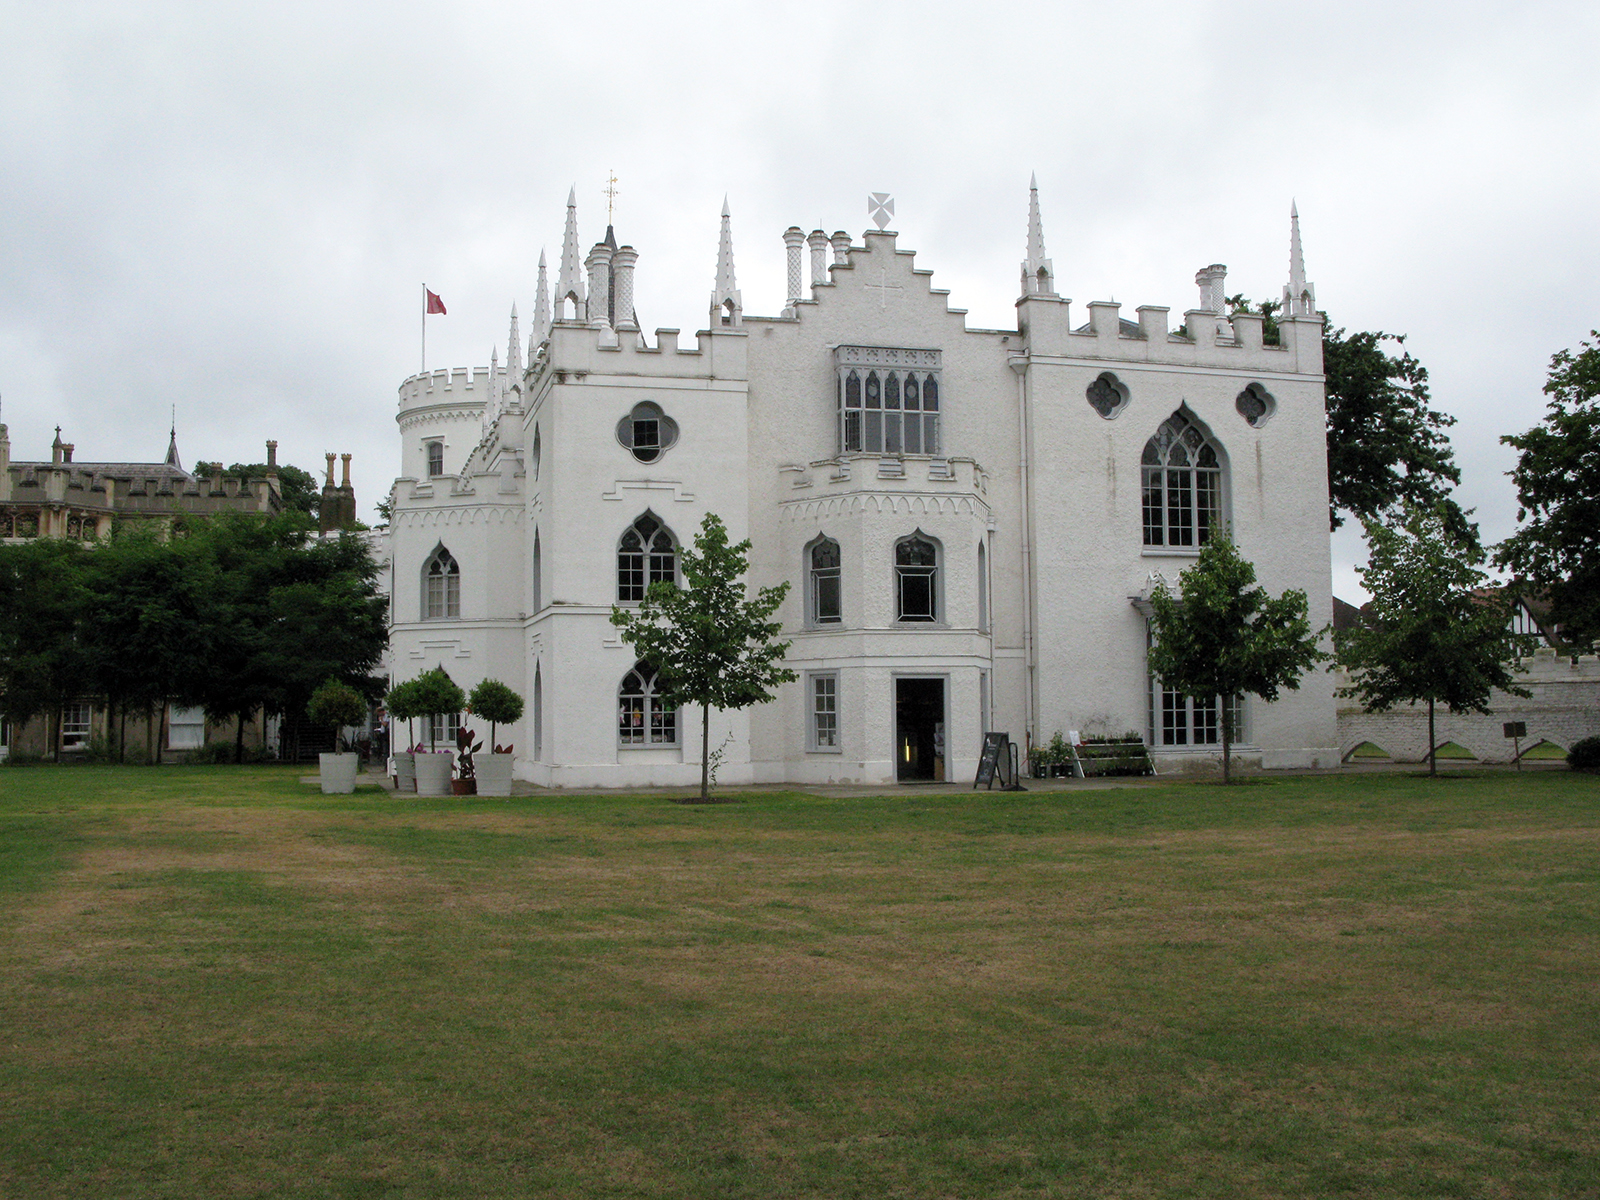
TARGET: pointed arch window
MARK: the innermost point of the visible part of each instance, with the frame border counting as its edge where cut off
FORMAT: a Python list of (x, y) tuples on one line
[(646, 554), (1181, 471), (538, 713), (888, 400), (435, 459), (538, 453), (538, 574), (916, 569), (824, 594), (441, 586), (644, 716)]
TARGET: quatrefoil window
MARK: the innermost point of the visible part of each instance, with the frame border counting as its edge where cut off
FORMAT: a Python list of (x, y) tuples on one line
[(1107, 395), (647, 431)]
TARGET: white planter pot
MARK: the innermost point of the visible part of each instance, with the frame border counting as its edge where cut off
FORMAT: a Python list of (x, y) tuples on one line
[(433, 773), (405, 772), (338, 773), (494, 773)]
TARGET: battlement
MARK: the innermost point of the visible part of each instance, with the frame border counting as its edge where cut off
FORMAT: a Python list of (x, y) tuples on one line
[(455, 385)]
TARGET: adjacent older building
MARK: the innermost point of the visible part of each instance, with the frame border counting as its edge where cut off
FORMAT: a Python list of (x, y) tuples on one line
[(972, 519)]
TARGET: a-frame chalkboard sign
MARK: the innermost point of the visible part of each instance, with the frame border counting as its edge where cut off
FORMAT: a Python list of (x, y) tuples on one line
[(998, 763)]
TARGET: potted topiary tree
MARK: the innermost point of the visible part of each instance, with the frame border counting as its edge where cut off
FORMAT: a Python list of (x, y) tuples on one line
[(497, 704), (337, 705), (401, 702), (436, 694)]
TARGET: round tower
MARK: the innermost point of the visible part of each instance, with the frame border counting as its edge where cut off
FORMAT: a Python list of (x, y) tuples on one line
[(441, 420)]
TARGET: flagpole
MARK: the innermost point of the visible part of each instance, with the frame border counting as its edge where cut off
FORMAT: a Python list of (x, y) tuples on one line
[(424, 329)]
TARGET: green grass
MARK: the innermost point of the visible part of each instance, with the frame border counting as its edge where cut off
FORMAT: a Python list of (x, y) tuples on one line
[(215, 982), (1544, 750)]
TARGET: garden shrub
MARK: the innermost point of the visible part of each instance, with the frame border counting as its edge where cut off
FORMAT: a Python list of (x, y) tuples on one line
[(1585, 755)]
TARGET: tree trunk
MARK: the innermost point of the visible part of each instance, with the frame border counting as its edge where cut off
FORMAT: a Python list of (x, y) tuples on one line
[(238, 740), (150, 735), (122, 733), (705, 755), (1227, 742), (1433, 752), (56, 737)]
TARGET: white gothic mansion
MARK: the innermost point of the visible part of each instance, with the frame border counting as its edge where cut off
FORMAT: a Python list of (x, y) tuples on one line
[(972, 519)]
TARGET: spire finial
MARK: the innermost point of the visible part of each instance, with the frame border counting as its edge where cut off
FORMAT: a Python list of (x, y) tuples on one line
[(1038, 272), (569, 286), (727, 305), (1299, 297), (610, 191), (541, 309), (514, 354)]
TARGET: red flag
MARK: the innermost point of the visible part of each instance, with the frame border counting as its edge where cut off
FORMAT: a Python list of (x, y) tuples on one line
[(435, 305)]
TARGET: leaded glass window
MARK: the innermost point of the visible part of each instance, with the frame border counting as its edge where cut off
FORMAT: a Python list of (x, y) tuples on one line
[(645, 718), (916, 565), (826, 607), (888, 400), (441, 586), (646, 554), (1182, 485)]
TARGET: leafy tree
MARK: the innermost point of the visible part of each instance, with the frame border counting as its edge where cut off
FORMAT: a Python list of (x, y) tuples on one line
[(336, 705), (434, 693), (709, 643), (1434, 633), (42, 597), (1226, 637), (1386, 446), (1558, 491), (496, 704)]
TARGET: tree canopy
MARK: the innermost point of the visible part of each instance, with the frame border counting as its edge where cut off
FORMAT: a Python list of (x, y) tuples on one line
[(236, 613), (1434, 633), (299, 488), (1386, 445), (1558, 490), (1226, 636), (710, 644)]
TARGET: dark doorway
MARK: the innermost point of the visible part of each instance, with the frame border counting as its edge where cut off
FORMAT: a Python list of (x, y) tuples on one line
[(919, 729)]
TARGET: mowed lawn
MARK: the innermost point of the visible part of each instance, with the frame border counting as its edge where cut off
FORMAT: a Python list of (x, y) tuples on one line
[(214, 982)]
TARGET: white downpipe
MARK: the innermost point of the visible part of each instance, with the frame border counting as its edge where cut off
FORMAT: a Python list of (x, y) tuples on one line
[(1020, 366)]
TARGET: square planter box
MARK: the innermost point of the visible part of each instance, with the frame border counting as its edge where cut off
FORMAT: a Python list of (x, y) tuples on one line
[(494, 773), (338, 773), (433, 773), (405, 772)]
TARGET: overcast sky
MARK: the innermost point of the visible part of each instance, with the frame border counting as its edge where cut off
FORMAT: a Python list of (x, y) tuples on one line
[(232, 210)]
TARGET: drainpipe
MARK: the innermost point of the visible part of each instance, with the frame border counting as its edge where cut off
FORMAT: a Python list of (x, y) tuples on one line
[(1019, 364)]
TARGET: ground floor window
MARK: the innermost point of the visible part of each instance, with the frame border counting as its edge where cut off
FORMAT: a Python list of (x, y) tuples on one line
[(75, 725), (186, 728), (442, 731), (644, 718), (825, 711), (1179, 720)]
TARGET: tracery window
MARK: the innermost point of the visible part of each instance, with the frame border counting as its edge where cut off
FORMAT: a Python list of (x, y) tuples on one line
[(647, 431), (916, 568), (1182, 479), (824, 593), (435, 459), (1107, 395), (644, 718), (888, 400), (1256, 405), (646, 554), (441, 586)]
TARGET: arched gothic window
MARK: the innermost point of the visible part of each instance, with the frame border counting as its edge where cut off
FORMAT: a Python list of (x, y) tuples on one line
[(538, 713), (435, 459), (538, 574), (1182, 478), (646, 554), (643, 717), (916, 568), (538, 453), (441, 586), (823, 587)]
